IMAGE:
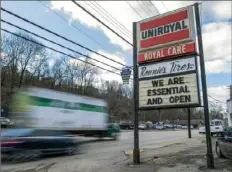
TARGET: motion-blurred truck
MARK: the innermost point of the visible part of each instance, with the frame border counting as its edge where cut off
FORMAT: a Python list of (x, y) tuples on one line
[(52, 110)]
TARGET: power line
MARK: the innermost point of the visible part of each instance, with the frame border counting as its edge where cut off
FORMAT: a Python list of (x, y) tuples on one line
[(164, 5), (154, 7), (142, 7), (122, 26), (96, 8), (148, 7), (25, 30), (58, 51), (134, 9), (74, 26), (56, 34), (102, 23)]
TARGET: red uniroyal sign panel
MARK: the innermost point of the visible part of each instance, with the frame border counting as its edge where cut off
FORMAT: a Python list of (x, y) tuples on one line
[(171, 28), (167, 52)]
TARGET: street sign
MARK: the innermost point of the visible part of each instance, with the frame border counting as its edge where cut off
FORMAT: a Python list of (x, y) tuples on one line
[(164, 30), (125, 74)]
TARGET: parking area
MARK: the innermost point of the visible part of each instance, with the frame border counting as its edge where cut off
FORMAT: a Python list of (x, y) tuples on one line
[(107, 155)]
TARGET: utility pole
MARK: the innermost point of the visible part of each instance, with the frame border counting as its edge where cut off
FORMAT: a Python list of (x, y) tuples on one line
[(136, 152), (210, 158)]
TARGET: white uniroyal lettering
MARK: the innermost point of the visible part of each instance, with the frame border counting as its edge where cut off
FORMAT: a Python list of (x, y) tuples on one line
[(165, 29)]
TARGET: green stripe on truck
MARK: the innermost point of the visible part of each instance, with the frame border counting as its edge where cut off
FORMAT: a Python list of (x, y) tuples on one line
[(45, 102)]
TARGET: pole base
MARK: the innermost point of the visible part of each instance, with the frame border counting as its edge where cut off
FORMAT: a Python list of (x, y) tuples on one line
[(210, 160), (136, 156)]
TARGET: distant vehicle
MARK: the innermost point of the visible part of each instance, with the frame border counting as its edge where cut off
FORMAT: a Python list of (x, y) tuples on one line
[(216, 127), (168, 125), (31, 144), (154, 126), (179, 126), (131, 126), (186, 126), (142, 126), (224, 144), (126, 126), (160, 125), (149, 124), (54, 110)]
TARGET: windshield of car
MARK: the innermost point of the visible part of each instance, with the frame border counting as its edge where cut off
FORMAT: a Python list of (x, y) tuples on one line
[(16, 132)]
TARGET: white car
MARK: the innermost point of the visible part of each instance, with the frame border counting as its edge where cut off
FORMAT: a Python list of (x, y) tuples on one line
[(142, 126), (186, 127)]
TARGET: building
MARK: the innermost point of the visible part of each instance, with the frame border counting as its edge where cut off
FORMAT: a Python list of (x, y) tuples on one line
[(229, 107)]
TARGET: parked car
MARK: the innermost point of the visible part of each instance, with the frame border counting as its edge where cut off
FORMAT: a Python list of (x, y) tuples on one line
[(179, 126), (224, 144), (186, 126), (31, 144), (154, 126), (125, 126), (160, 125), (131, 126), (142, 126)]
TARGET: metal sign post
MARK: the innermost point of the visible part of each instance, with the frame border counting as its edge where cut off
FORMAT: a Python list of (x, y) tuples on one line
[(210, 159), (189, 124), (136, 152)]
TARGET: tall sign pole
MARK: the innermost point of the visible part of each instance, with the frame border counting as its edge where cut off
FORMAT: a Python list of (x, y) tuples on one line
[(136, 152), (210, 159), (189, 124)]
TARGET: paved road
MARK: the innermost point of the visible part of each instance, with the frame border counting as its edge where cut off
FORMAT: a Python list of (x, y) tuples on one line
[(101, 154)]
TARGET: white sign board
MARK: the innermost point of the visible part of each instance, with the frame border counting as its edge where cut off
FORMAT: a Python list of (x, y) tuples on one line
[(167, 68), (181, 90)]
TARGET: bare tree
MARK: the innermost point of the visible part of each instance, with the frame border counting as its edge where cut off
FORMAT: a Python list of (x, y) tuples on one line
[(25, 57)]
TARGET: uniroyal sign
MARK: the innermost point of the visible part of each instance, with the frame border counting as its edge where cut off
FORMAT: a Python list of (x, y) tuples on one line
[(165, 30)]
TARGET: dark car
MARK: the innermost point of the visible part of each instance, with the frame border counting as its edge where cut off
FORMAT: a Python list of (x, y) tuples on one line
[(126, 126), (31, 144), (224, 144)]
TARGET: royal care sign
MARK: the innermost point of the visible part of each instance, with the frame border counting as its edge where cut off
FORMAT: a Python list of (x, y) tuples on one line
[(169, 84), (168, 35)]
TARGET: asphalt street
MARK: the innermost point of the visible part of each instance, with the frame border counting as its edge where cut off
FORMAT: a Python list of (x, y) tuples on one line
[(98, 154)]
